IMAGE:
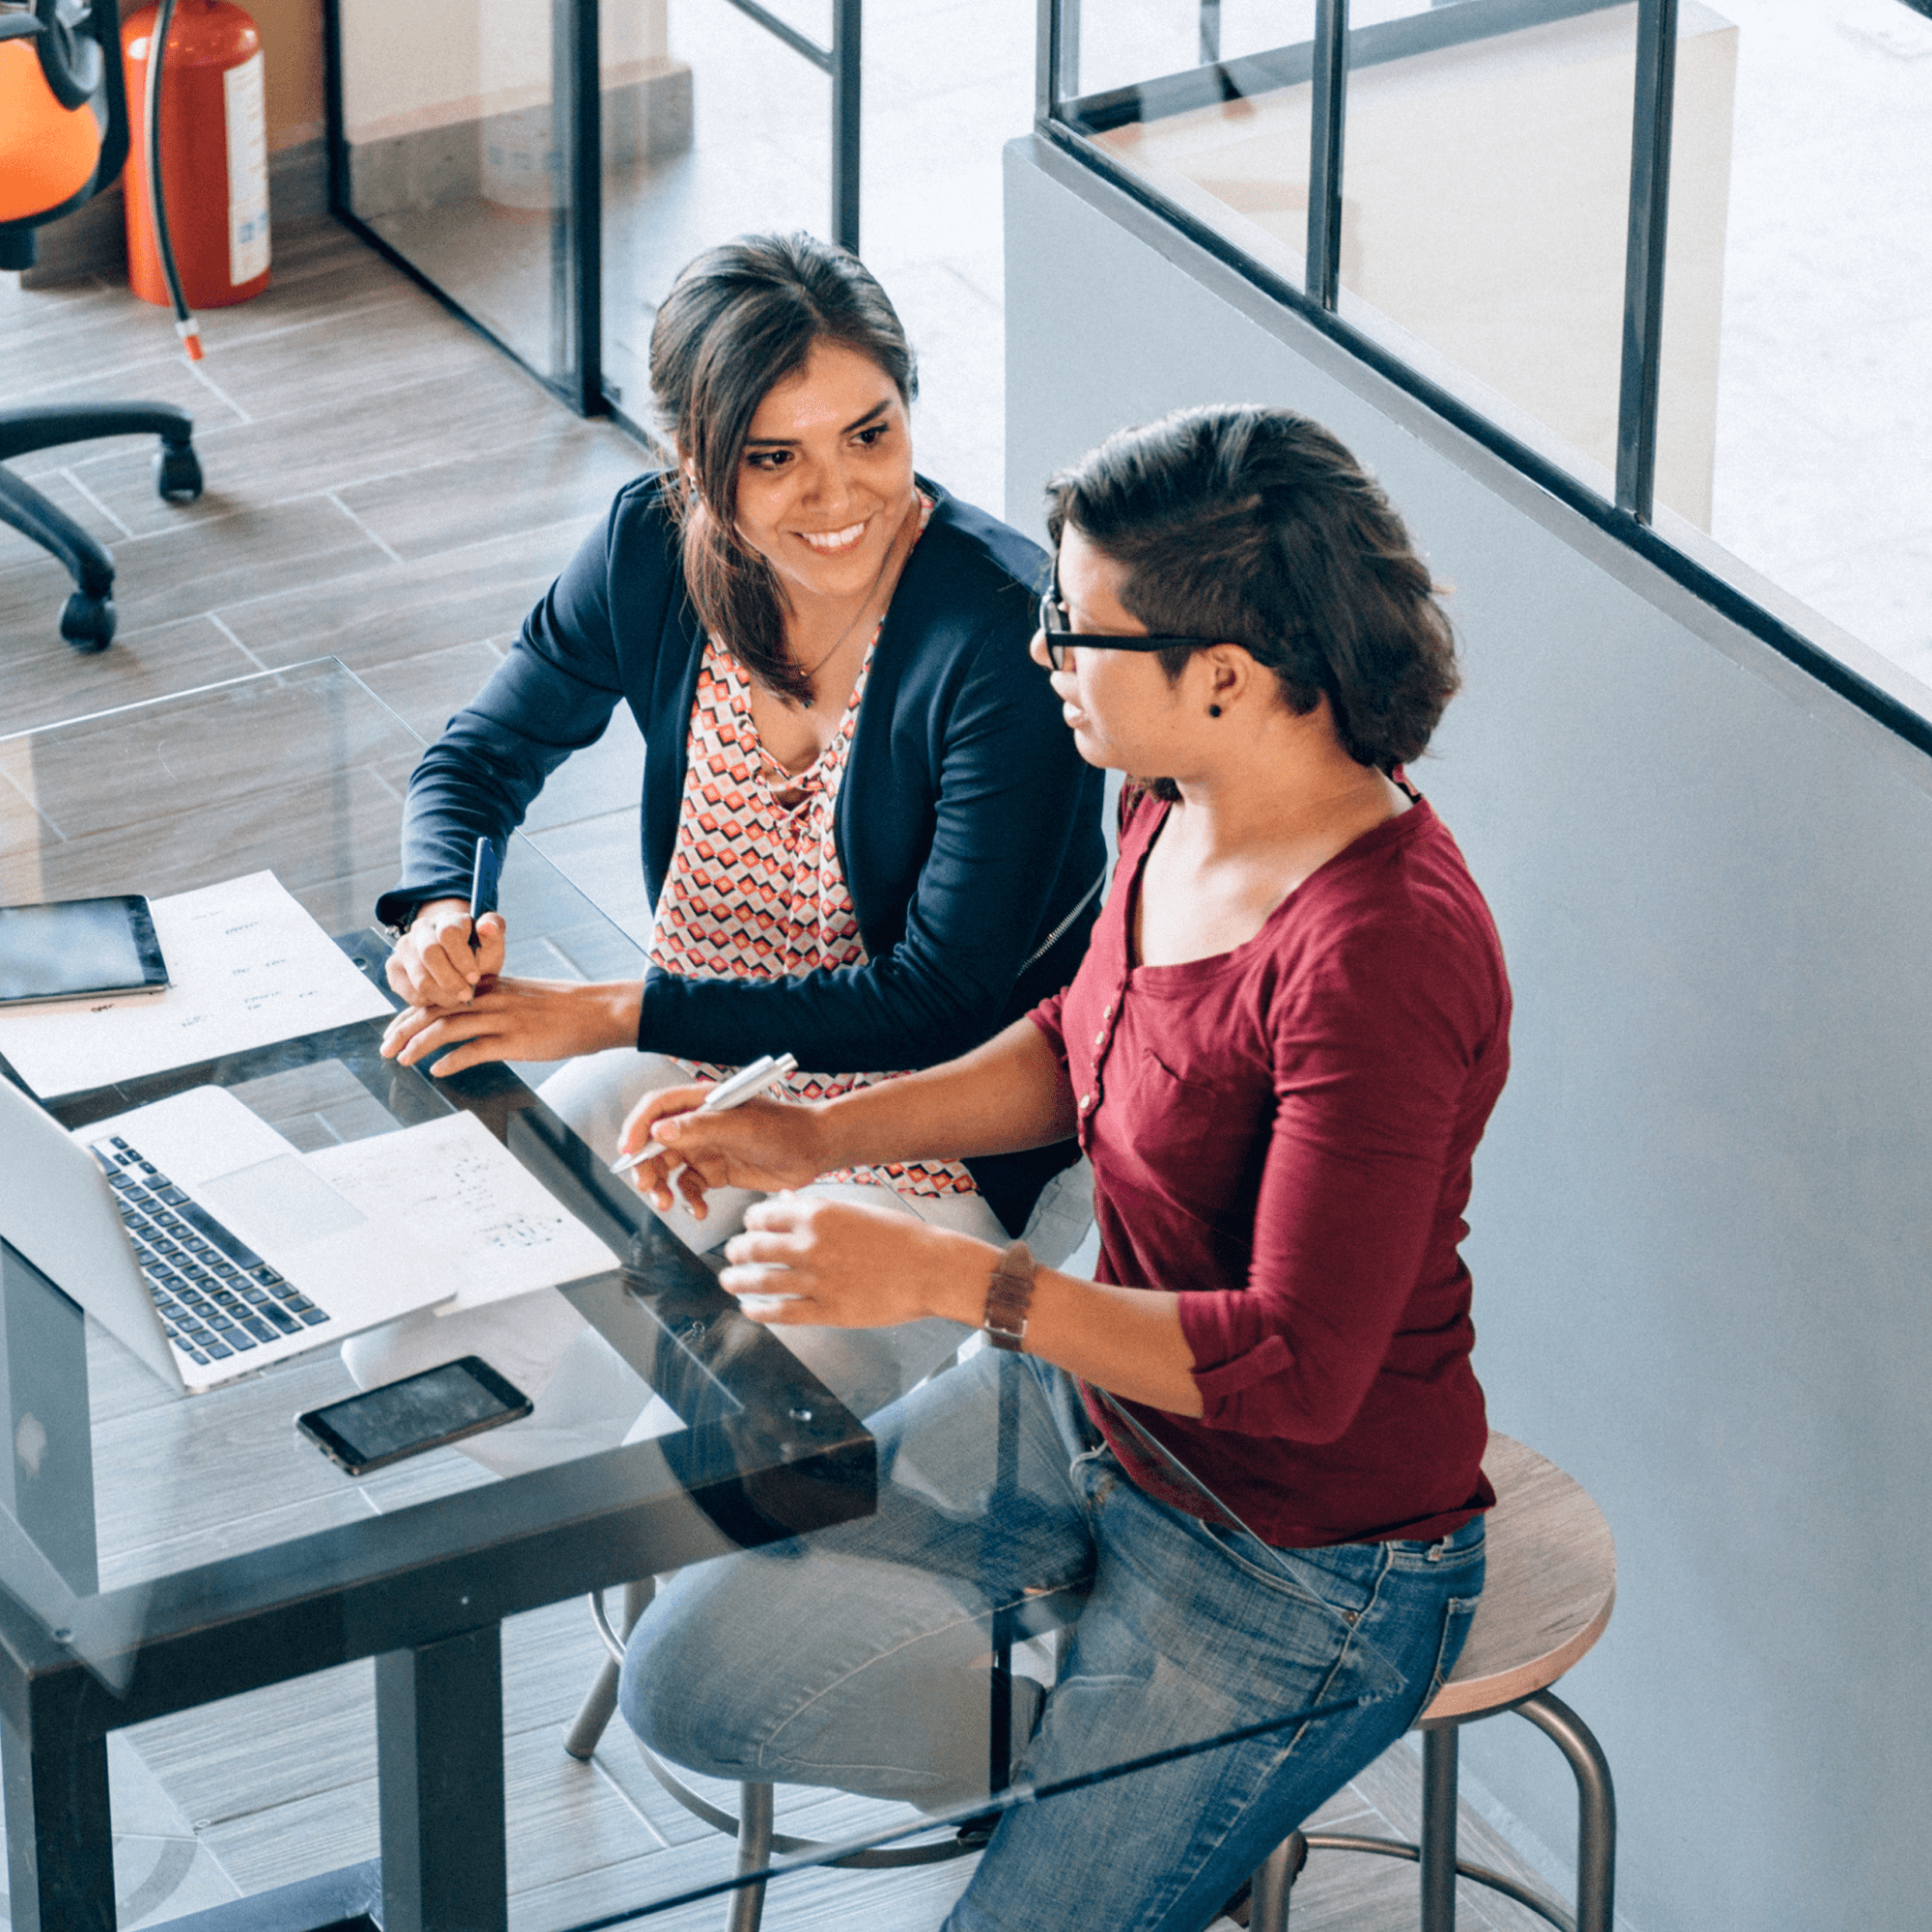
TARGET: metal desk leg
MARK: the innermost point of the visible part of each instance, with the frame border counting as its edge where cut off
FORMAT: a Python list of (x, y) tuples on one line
[(440, 1754), (60, 1872)]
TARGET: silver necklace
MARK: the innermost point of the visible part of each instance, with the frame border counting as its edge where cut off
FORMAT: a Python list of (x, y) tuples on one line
[(845, 635)]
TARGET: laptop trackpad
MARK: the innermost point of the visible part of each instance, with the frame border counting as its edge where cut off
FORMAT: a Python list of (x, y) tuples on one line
[(279, 1203)]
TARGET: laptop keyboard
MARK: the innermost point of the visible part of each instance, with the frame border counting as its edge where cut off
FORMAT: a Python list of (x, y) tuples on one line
[(217, 1296)]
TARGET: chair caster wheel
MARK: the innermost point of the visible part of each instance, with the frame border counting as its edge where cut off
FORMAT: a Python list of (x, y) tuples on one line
[(177, 473), (87, 623)]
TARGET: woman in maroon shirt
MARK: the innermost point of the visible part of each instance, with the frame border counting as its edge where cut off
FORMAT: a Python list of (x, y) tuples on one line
[(1279, 1053)]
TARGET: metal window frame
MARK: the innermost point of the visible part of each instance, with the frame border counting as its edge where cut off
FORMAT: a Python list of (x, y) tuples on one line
[(576, 228), (1067, 122)]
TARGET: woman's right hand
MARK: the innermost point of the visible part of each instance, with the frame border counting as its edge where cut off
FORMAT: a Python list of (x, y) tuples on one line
[(434, 963), (766, 1145)]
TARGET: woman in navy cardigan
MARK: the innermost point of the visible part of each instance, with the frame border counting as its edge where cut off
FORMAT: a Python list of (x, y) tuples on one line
[(792, 578)]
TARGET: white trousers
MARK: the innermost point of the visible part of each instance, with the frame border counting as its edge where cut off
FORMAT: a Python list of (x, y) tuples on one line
[(585, 1396)]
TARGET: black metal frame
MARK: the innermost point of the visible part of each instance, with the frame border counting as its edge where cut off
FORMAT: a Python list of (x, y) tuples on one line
[(577, 307), (1067, 122), (840, 63)]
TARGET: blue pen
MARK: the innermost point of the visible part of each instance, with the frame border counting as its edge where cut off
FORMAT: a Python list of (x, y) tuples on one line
[(483, 882)]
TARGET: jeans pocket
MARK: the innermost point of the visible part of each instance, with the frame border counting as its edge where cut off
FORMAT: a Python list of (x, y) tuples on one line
[(1458, 1614)]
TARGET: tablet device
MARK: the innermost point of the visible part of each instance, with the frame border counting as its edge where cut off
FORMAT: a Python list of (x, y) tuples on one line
[(78, 949)]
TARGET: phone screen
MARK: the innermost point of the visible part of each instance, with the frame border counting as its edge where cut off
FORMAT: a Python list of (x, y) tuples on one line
[(421, 1412)]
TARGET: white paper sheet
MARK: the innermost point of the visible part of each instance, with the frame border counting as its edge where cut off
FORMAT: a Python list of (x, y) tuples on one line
[(247, 967), (494, 1227)]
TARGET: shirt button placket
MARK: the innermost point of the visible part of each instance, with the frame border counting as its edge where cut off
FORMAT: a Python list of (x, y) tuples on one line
[(1102, 1043)]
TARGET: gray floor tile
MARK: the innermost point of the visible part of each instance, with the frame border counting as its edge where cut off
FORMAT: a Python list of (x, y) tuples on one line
[(202, 562), (425, 690), (475, 412), (47, 681), (569, 470), (386, 611)]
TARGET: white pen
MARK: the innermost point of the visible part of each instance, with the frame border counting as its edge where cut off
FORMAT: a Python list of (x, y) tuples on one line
[(744, 1085)]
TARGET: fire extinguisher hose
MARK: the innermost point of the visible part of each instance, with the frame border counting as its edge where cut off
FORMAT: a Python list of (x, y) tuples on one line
[(186, 326)]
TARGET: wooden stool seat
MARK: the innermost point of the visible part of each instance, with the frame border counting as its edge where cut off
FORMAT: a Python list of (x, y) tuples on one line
[(1551, 1584)]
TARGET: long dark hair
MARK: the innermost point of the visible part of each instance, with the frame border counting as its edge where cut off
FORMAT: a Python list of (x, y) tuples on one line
[(1257, 526), (740, 319)]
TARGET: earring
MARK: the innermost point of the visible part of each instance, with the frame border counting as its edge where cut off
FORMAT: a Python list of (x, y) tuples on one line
[(1213, 711)]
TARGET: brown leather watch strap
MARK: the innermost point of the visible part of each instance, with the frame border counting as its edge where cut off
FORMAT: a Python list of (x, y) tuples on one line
[(1009, 1297)]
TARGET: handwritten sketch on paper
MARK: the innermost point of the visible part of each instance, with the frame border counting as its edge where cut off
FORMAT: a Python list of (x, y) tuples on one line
[(493, 1225)]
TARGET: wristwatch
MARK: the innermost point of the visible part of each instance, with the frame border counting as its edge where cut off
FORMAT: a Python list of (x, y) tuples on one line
[(1009, 1297)]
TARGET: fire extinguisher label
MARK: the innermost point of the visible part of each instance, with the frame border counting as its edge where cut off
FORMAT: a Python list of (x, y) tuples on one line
[(248, 171)]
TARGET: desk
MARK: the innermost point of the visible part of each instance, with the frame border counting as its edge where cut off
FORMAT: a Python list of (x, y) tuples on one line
[(209, 1549)]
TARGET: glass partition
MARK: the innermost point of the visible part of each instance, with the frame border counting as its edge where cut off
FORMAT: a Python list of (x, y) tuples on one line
[(1209, 104), (1814, 380), (498, 149), (730, 133), (1668, 257), (456, 132)]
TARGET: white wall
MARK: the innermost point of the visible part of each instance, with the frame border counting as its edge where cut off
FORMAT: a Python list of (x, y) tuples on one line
[(433, 62), (1703, 1212)]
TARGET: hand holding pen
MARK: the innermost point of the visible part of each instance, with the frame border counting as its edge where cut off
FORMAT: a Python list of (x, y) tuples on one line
[(688, 1132), (742, 1086), (453, 945)]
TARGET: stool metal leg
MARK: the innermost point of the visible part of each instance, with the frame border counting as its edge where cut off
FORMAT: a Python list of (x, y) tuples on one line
[(1274, 1881), (1438, 1829), (754, 1852), (1596, 1806), (600, 1701)]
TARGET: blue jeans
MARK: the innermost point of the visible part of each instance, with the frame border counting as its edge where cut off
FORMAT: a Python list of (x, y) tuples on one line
[(858, 1658)]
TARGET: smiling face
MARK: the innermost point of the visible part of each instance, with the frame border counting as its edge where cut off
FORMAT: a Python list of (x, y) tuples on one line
[(825, 482)]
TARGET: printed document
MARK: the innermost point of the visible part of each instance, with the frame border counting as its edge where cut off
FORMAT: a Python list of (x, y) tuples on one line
[(246, 967)]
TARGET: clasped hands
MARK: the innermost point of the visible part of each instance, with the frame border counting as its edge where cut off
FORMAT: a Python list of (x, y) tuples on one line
[(460, 999), (800, 1260)]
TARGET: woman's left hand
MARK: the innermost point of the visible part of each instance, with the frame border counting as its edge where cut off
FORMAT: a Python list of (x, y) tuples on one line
[(517, 1019), (844, 1265)]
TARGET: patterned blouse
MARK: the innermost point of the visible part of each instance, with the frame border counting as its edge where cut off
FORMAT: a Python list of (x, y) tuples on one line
[(755, 889)]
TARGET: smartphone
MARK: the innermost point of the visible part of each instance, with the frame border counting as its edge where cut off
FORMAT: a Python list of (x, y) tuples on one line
[(423, 1411)]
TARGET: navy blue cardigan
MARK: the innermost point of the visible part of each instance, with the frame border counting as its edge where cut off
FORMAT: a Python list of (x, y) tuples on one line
[(967, 826)]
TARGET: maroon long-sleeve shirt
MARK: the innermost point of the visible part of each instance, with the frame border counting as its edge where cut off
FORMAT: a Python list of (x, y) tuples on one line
[(1281, 1134)]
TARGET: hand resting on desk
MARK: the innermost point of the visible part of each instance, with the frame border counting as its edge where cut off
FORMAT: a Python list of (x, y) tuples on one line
[(517, 1019), (433, 964)]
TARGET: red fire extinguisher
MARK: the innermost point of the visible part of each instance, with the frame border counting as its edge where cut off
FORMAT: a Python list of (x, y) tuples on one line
[(214, 156)]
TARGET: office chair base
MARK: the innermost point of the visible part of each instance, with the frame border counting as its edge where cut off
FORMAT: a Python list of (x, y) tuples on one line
[(177, 473), (87, 623)]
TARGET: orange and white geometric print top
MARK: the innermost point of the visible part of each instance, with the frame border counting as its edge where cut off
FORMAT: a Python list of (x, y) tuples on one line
[(755, 889)]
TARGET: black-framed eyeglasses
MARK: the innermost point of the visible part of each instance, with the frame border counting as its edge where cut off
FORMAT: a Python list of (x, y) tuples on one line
[(1054, 628)]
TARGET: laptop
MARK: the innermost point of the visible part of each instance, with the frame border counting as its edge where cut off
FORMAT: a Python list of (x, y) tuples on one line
[(195, 1233)]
